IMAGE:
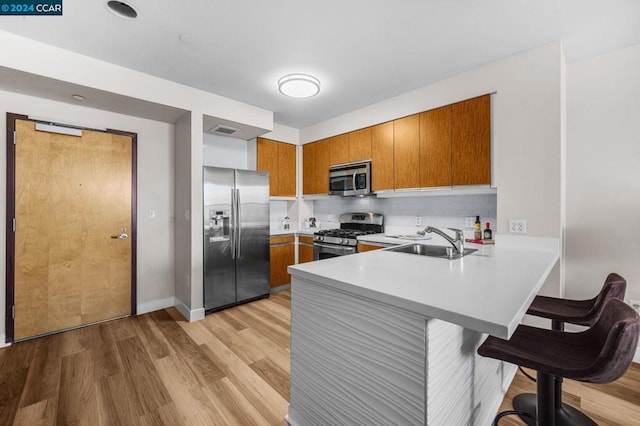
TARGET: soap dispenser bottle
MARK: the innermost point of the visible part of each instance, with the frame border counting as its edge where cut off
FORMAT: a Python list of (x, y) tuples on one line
[(477, 229)]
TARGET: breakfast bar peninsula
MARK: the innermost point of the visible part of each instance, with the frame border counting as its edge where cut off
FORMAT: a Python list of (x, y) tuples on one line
[(386, 337)]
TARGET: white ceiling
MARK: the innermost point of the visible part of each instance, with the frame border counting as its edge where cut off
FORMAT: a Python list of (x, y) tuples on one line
[(363, 51)]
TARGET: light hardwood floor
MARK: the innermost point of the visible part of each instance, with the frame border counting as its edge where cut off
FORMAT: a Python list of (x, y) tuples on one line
[(232, 368)]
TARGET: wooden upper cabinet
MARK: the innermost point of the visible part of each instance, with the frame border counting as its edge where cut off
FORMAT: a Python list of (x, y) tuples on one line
[(471, 141), (359, 144), (382, 157), (316, 161), (279, 159), (406, 152), (287, 156), (323, 162), (435, 147), (308, 167), (268, 162), (339, 149)]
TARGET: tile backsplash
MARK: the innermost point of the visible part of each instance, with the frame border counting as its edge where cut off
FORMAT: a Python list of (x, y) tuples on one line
[(439, 211)]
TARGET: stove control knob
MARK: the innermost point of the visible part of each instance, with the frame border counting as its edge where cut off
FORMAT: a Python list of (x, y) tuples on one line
[(345, 241)]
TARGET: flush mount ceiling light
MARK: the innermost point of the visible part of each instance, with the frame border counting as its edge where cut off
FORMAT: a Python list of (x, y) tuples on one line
[(122, 9), (299, 85), (78, 98)]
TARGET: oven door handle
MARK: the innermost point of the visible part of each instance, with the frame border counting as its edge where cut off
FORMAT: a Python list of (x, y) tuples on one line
[(335, 247)]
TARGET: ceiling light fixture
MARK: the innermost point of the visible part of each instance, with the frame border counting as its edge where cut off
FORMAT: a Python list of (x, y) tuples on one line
[(78, 98), (122, 9), (299, 85)]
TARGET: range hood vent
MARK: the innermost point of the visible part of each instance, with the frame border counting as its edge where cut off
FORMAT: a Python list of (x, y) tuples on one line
[(223, 130)]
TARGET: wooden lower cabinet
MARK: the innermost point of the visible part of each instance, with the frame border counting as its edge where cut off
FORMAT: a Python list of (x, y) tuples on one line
[(368, 247), (305, 249), (282, 253)]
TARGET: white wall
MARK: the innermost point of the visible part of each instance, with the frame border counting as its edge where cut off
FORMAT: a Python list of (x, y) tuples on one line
[(221, 151), (527, 133), (603, 172), (182, 185), (155, 191)]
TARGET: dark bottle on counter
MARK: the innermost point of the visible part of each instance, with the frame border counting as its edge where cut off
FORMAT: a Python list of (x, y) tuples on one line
[(477, 229), (488, 233)]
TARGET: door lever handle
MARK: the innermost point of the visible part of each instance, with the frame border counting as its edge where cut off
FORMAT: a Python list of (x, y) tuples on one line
[(123, 234)]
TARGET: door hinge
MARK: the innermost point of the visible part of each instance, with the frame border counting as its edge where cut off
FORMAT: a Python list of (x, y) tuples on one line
[(14, 137), (14, 224), (13, 311)]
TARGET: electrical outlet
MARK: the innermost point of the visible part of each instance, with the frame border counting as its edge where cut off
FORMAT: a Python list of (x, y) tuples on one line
[(635, 304), (518, 226), (418, 221), (469, 221)]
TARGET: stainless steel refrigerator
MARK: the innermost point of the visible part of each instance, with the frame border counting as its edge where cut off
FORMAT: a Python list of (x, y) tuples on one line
[(236, 237)]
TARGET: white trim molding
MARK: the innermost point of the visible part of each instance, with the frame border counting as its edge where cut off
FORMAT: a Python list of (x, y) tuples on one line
[(188, 314)]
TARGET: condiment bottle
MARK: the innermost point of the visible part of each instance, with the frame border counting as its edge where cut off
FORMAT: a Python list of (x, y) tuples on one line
[(477, 229), (488, 233)]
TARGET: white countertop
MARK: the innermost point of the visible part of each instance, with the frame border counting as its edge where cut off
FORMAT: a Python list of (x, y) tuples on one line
[(488, 291), (276, 230)]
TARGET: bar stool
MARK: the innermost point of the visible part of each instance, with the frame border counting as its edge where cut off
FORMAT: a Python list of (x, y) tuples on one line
[(580, 312), (600, 354)]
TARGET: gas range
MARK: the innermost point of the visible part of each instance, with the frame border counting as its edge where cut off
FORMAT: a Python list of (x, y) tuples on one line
[(345, 237), (341, 241)]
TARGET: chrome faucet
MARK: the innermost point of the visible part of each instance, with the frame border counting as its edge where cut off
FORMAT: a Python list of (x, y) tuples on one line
[(457, 242)]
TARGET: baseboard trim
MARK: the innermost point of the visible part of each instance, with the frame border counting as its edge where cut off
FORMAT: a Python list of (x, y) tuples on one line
[(188, 314), (3, 340), (278, 289), (156, 305)]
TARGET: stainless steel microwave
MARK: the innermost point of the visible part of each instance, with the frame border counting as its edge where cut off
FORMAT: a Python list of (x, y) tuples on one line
[(350, 179)]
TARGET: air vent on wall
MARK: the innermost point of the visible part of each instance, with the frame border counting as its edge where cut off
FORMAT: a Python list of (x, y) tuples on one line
[(223, 130)]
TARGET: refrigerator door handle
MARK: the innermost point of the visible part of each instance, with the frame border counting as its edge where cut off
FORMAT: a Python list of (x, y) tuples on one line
[(238, 213), (232, 225)]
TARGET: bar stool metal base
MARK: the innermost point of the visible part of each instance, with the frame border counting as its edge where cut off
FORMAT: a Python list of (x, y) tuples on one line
[(565, 416)]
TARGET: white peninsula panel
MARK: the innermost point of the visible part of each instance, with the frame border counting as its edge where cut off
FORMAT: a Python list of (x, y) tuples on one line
[(391, 338)]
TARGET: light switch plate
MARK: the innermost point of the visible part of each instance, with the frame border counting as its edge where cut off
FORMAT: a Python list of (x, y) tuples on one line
[(418, 221), (152, 214)]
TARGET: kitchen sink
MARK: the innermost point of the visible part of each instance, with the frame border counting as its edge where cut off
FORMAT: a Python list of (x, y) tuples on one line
[(444, 252)]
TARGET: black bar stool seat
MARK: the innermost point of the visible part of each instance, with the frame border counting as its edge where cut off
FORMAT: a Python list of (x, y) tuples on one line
[(581, 312), (600, 354), (561, 311)]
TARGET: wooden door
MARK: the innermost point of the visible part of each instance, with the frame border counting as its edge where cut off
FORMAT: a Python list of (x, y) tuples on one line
[(382, 156), (435, 147), (72, 194), (406, 152), (471, 141), (287, 170)]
